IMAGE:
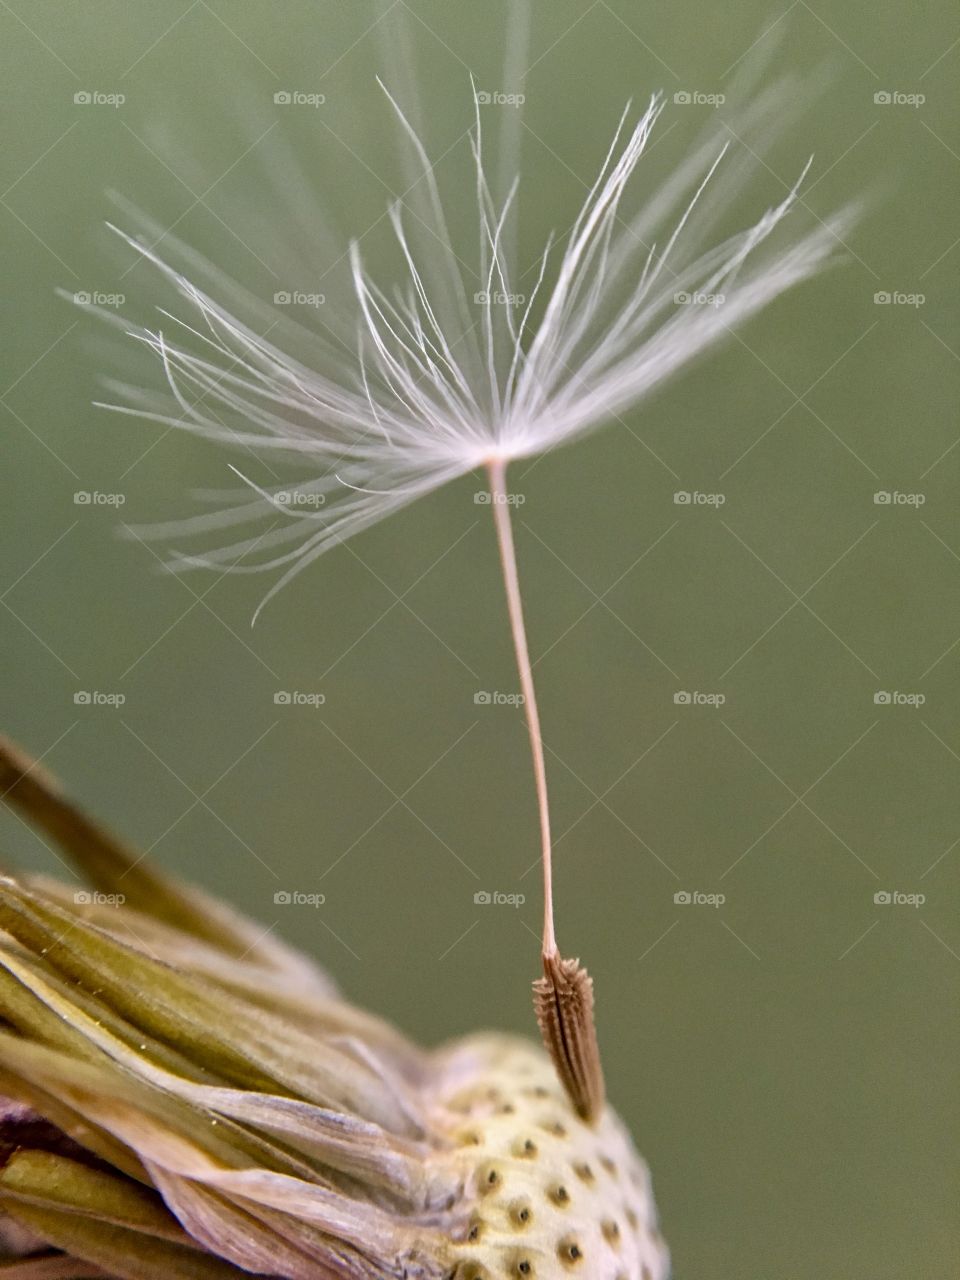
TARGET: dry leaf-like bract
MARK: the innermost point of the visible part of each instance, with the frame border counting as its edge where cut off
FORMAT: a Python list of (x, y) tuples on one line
[(193, 1101)]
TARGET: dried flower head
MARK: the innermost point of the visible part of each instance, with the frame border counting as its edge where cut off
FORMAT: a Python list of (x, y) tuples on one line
[(187, 1099)]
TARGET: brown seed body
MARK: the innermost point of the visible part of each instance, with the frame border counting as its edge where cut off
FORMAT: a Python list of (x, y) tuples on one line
[(563, 1003)]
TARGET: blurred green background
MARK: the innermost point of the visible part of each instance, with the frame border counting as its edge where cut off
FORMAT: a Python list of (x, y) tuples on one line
[(787, 1060)]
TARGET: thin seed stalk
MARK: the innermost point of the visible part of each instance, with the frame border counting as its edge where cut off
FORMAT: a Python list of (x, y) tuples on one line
[(563, 997), (508, 560)]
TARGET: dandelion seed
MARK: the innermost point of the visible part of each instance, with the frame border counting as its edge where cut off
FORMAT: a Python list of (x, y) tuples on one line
[(431, 392)]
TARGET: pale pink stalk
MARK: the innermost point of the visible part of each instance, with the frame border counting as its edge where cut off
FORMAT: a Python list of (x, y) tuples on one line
[(497, 470)]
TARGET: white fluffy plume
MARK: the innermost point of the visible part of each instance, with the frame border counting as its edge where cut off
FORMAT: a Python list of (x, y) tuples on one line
[(436, 380)]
